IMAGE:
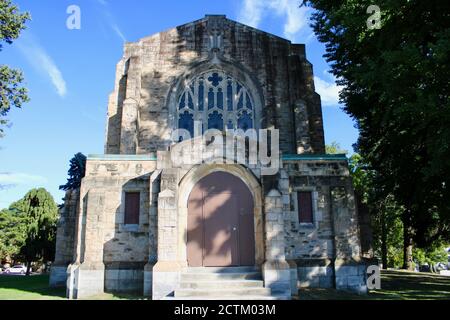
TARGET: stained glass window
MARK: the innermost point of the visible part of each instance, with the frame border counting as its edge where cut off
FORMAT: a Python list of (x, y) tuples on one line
[(182, 101), (230, 95), (245, 121), (248, 102), (186, 121), (240, 104), (190, 102), (238, 88), (220, 99), (211, 98), (217, 100), (215, 121), (201, 91), (215, 79)]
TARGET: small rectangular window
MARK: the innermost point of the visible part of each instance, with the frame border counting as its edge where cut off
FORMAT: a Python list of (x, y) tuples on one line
[(132, 206), (305, 210)]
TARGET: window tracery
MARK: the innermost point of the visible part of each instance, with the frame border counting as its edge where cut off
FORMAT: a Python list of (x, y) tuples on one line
[(217, 100)]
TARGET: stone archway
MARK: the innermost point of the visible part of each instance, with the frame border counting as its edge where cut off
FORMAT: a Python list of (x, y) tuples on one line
[(220, 226), (248, 181)]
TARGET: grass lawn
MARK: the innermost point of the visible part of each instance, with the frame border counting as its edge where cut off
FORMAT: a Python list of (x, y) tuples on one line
[(395, 285), (34, 287)]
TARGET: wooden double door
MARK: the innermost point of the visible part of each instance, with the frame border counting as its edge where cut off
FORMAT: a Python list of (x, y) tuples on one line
[(220, 228)]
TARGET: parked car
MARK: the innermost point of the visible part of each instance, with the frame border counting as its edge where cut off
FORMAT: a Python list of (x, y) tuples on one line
[(440, 266), (17, 269), (424, 267)]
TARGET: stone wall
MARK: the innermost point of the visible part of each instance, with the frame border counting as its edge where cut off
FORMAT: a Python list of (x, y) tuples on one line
[(65, 238), (312, 241), (104, 242), (327, 252), (365, 225), (139, 112)]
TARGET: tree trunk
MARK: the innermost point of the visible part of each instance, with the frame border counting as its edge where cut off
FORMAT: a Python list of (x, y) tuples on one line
[(407, 241), (28, 268), (384, 261), (432, 267)]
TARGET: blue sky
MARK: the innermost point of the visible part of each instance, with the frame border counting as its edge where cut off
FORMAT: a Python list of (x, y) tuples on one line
[(70, 74)]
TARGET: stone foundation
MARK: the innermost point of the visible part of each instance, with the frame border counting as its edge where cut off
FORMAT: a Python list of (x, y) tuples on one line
[(58, 276), (315, 273), (316, 277), (124, 278), (84, 280), (148, 279), (277, 277), (166, 279), (351, 276)]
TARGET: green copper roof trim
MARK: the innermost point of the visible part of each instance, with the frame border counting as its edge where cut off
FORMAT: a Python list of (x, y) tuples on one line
[(122, 157), (144, 157), (288, 157)]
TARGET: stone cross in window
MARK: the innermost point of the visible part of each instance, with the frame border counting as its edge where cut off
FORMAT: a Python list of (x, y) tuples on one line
[(215, 79)]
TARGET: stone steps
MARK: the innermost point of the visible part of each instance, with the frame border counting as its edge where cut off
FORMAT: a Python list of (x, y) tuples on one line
[(225, 276), (220, 293), (234, 298), (217, 276), (227, 283), (221, 270)]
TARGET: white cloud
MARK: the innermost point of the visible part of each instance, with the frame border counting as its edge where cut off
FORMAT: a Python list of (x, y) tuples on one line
[(111, 20), (329, 91), (18, 178), (119, 32), (296, 18), (251, 12), (42, 62)]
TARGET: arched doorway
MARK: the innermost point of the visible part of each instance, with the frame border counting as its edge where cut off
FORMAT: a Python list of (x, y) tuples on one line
[(220, 222)]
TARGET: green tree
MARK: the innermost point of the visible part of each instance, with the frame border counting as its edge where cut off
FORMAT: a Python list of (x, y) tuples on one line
[(12, 233), (38, 214), (334, 148), (387, 230), (12, 22), (396, 87), (76, 172), (431, 255), (384, 211)]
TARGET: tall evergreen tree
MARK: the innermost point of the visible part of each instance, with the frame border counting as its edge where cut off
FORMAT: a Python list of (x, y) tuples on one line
[(38, 216), (396, 87), (76, 172)]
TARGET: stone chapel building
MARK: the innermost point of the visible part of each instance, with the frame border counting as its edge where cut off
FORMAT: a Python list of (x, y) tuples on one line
[(142, 223)]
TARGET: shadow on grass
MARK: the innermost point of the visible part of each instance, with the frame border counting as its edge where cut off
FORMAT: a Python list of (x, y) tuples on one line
[(28, 287), (36, 287), (116, 296), (395, 285), (412, 285)]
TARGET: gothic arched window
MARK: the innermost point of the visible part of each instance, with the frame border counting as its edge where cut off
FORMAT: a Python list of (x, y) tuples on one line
[(218, 101)]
